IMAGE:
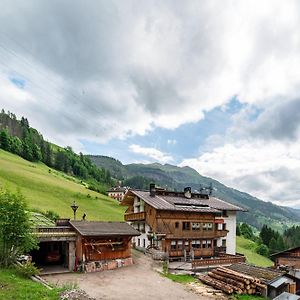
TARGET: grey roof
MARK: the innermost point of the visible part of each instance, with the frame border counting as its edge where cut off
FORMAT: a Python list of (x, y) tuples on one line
[(280, 281), (264, 274), (96, 228), (287, 296), (180, 203)]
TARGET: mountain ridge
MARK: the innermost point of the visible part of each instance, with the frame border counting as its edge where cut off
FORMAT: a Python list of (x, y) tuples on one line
[(176, 178)]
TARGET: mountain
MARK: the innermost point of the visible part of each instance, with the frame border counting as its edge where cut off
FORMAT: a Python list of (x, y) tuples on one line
[(176, 178)]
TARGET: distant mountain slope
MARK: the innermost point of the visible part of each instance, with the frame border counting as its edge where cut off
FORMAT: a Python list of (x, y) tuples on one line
[(173, 177)]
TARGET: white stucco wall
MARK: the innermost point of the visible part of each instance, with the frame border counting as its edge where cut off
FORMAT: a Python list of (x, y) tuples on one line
[(230, 221)]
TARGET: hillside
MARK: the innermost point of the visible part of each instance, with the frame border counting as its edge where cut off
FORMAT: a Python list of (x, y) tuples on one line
[(247, 248), (48, 189), (173, 177)]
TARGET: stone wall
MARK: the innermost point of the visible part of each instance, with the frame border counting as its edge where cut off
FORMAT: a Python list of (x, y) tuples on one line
[(99, 266)]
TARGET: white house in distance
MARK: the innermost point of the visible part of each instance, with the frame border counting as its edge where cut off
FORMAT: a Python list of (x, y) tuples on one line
[(182, 224), (117, 193)]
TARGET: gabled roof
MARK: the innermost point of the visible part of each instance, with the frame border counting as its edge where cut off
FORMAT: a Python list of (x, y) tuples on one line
[(287, 251), (266, 275), (178, 202), (104, 229)]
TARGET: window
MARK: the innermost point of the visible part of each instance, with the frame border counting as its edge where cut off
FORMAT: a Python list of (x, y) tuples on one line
[(185, 225), (139, 242), (187, 243), (173, 245), (196, 244), (142, 227), (208, 244), (144, 243), (176, 224), (224, 243), (179, 245), (195, 226), (224, 226), (207, 226)]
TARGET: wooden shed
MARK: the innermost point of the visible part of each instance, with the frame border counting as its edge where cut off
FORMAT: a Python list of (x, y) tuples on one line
[(102, 241)]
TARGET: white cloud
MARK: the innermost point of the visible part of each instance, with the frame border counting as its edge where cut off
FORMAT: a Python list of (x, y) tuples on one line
[(151, 153), (120, 69), (268, 170)]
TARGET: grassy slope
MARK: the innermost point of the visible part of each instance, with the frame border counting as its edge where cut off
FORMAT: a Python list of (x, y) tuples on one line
[(54, 191), (12, 287), (247, 248)]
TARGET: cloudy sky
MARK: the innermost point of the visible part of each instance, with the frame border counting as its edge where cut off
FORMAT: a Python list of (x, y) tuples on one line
[(210, 84)]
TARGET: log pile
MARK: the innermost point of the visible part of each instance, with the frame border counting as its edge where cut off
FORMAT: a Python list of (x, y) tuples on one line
[(230, 282)]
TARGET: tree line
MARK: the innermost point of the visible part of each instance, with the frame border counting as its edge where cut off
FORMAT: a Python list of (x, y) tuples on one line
[(16, 136), (270, 241)]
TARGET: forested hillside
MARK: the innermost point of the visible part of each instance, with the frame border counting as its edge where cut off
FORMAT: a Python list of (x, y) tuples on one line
[(176, 178), (16, 136)]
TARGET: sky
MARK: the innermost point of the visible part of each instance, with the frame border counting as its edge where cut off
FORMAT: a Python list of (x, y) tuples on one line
[(214, 85)]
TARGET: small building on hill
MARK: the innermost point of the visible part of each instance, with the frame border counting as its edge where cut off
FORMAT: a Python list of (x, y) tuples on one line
[(81, 245), (182, 225), (288, 258), (117, 193)]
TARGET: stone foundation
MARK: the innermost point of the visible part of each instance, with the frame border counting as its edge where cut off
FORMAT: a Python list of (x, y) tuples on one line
[(99, 266)]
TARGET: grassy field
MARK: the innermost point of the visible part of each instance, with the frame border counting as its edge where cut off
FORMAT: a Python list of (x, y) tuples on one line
[(13, 286), (47, 189), (247, 248)]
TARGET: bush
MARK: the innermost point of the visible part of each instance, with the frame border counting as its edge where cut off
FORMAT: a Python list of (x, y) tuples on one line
[(27, 269), (263, 250), (52, 215)]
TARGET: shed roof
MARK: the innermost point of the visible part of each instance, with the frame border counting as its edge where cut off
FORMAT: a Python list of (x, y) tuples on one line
[(264, 274), (177, 201), (105, 229), (287, 296), (288, 251)]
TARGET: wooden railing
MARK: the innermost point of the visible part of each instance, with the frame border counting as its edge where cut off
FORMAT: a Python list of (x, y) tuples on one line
[(53, 230), (135, 216), (195, 234), (223, 260)]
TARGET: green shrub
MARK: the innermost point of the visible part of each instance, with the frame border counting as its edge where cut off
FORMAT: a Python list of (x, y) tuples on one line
[(27, 269), (263, 250)]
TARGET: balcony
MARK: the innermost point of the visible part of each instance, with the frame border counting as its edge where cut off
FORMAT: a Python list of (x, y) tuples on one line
[(197, 234), (130, 217)]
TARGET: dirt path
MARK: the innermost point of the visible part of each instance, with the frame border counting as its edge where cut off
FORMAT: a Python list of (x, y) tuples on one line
[(139, 281)]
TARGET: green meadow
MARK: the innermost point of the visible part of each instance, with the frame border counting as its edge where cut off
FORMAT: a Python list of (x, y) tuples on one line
[(47, 189), (247, 247)]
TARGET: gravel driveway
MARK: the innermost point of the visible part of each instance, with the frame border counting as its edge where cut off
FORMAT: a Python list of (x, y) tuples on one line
[(139, 281)]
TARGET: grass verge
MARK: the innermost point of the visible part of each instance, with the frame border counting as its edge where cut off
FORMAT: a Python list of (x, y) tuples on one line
[(15, 287)]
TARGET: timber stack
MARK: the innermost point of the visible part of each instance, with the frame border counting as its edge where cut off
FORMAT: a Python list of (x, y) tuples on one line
[(230, 282)]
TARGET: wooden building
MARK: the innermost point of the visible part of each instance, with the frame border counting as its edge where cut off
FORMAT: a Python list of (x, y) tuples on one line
[(81, 245), (288, 258), (182, 224), (276, 281), (98, 241)]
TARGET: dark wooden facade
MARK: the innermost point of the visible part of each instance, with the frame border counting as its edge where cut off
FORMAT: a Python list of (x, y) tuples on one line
[(102, 241), (288, 258)]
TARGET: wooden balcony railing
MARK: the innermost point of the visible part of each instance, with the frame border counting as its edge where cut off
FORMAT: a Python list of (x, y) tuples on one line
[(201, 234), (135, 216), (52, 231), (223, 260)]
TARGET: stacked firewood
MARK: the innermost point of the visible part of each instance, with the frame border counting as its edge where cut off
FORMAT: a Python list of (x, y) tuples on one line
[(230, 282)]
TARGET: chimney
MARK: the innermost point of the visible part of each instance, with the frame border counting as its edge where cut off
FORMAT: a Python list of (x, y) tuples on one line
[(188, 192), (152, 189)]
